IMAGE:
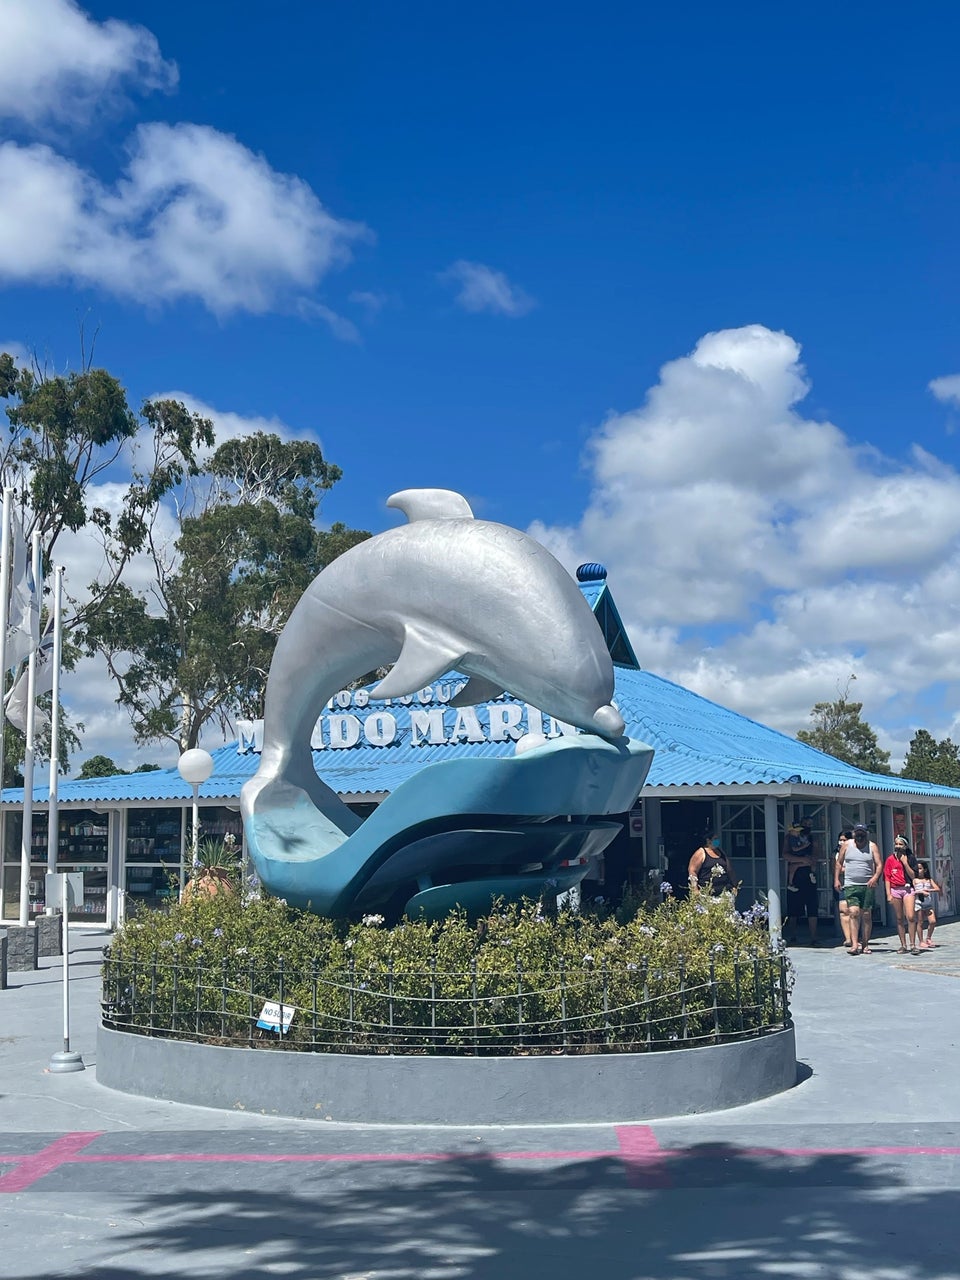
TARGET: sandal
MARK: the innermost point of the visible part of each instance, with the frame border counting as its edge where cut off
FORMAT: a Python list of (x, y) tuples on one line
[(855, 951), (902, 951), (867, 951)]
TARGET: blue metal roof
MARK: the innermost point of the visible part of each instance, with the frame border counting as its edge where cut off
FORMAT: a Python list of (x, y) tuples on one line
[(698, 744)]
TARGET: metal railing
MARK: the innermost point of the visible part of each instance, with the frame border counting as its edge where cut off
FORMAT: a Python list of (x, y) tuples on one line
[(396, 1010)]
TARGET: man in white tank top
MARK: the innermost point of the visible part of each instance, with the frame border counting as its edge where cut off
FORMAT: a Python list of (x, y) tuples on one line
[(859, 865)]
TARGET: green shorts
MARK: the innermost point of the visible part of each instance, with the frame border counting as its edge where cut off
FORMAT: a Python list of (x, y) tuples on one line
[(859, 895)]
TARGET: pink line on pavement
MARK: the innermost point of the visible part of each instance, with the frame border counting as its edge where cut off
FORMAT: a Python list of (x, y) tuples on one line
[(336, 1157), (28, 1169), (643, 1156), (638, 1148)]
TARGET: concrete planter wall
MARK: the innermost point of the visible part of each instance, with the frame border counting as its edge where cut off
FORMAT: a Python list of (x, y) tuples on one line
[(450, 1091)]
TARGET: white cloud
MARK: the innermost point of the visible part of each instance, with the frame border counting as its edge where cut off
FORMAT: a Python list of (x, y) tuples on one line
[(56, 62), (21, 354), (761, 557), (947, 389), (373, 303), (195, 215), (481, 288)]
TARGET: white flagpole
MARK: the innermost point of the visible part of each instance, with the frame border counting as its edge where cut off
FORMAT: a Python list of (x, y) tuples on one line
[(28, 754), (4, 623), (53, 811)]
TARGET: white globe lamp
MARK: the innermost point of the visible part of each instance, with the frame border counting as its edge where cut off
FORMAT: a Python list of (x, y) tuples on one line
[(195, 767)]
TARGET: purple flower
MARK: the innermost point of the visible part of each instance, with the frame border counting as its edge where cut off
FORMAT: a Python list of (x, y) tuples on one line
[(179, 937), (196, 942), (666, 887), (218, 933)]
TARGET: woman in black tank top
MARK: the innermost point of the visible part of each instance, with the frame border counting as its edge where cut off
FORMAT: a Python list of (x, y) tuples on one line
[(709, 870)]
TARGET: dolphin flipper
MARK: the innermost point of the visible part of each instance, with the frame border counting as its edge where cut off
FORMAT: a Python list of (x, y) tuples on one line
[(477, 689), (431, 504), (422, 660)]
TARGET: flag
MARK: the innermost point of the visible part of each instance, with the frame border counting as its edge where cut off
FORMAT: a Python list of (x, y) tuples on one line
[(23, 620), (16, 703)]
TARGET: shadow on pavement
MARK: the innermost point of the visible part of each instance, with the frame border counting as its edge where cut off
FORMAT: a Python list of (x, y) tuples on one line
[(711, 1211)]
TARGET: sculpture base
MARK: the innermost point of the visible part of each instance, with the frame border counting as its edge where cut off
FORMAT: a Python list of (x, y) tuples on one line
[(414, 1090)]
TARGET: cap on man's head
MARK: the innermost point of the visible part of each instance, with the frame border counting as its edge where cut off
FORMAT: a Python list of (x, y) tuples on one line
[(860, 826)]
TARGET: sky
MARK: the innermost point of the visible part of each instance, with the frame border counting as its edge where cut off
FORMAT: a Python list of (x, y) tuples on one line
[(674, 288)]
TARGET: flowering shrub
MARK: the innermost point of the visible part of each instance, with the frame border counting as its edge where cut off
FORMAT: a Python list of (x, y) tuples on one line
[(516, 981)]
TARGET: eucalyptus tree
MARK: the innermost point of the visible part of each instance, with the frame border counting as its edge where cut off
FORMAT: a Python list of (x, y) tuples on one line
[(69, 435), (82, 464), (194, 650), (931, 761), (839, 731)]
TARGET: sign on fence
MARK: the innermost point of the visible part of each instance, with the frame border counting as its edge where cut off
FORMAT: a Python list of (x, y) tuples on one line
[(276, 1017)]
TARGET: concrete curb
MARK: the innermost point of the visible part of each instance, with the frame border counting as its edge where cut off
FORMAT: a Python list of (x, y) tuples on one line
[(584, 1089)]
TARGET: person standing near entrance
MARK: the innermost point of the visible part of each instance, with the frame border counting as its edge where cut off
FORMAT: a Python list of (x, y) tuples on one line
[(925, 887), (709, 869), (898, 877), (859, 868), (843, 909), (800, 856)]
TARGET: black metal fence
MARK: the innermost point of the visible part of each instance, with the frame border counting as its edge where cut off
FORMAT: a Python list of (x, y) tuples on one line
[(593, 1009)]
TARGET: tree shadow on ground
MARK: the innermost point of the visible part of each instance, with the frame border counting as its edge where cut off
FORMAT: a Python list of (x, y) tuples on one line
[(707, 1212)]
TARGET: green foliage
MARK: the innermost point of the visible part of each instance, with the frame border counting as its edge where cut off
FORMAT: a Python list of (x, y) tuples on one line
[(63, 434), (932, 761), (14, 743), (514, 982), (839, 731), (99, 766), (220, 855), (241, 564)]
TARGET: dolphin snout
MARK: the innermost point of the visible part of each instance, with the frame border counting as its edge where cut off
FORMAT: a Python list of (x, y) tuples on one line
[(609, 721)]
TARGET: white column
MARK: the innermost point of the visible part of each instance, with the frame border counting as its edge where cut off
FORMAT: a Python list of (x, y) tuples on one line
[(771, 836), (53, 811), (116, 834), (26, 839), (4, 621)]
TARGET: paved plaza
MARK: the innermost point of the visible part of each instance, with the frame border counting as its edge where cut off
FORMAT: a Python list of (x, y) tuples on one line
[(853, 1173)]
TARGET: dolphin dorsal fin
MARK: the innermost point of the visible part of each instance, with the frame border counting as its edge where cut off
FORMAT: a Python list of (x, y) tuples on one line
[(431, 504)]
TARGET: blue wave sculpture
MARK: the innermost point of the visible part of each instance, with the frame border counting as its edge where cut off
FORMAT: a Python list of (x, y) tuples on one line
[(443, 591)]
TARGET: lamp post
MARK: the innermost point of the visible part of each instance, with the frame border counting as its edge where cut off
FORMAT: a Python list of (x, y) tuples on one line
[(195, 767)]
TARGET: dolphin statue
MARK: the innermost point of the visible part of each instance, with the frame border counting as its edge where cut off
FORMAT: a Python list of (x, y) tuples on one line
[(443, 591)]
